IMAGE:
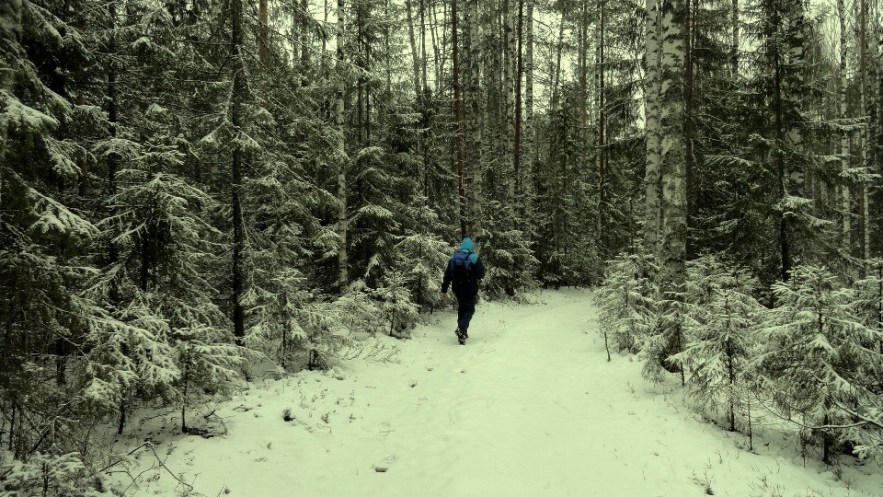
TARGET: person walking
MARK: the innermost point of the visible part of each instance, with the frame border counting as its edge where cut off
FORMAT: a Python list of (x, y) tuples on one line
[(462, 275)]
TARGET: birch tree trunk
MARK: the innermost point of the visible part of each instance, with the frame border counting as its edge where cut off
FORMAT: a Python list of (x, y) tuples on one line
[(671, 108), (458, 117), (473, 108), (342, 159), (789, 82), (423, 58), (652, 88)]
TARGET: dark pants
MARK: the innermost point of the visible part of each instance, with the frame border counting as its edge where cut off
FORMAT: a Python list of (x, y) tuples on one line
[(465, 310)]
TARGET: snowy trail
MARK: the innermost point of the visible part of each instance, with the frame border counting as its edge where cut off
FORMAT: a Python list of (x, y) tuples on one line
[(528, 407)]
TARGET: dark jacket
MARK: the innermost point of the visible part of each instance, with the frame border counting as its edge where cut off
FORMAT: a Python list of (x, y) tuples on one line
[(464, 288)]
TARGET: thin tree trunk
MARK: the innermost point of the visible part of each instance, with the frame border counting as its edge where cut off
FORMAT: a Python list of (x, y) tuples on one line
[(555, 95), (304, 40), (414, 55), (601, 129), (263, 47), (516, 158), (734, 47), (845, 224), (864, 80), (529, 141), (458, 117), (472, 96), (238, 96), (509, 97), (342, 259), (435, 45), (423, 46), (689, 158)]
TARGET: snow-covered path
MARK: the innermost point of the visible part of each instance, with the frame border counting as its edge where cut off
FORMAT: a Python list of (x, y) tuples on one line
[(528, 407)]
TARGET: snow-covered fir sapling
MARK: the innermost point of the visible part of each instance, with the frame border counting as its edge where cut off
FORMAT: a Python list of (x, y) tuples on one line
[(209, 363), (869, 436), (421, 259), (626, 302), (395, 303), (816, 346), (720, 340), (50, 475)]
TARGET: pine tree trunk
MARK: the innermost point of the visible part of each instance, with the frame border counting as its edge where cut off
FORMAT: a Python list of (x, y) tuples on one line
[(516, 150), (734, 46), (236, 113), (529, 139), (263, 48), (490, 111), (458, 117), (689, 157), (509, 97), (342, 259), (845, 225), (304, 40), (601, 155), (652, 88), (865, 91)]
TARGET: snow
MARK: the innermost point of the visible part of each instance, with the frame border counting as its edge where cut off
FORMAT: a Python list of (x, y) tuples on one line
[(528, 407)]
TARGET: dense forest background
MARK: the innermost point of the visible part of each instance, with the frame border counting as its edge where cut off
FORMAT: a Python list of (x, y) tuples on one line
[(189, 185)]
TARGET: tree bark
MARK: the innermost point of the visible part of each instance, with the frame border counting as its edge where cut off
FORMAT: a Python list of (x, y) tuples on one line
[(689, 157), (846, 211), (516, 146), (458, 117), (236, 113), (529, 139), (734, 45), (304, 40), (342, 259), (415, 57), (601, 155), (508, 98), (652, 174), (263, 29), (473, 109), (864, 85)]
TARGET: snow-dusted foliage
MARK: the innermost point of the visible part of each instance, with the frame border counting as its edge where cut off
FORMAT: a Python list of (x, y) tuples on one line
[(721, 339), (626, 301), (505, 250), (49, 475), (421, 260), (817, 352)]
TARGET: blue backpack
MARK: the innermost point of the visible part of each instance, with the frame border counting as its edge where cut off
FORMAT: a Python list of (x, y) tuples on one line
[(462, 262)]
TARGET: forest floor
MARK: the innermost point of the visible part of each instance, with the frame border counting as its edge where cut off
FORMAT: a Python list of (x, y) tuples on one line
[(529, 407)]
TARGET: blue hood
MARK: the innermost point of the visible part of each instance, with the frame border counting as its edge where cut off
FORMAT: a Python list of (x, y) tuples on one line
[(467, 245)]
